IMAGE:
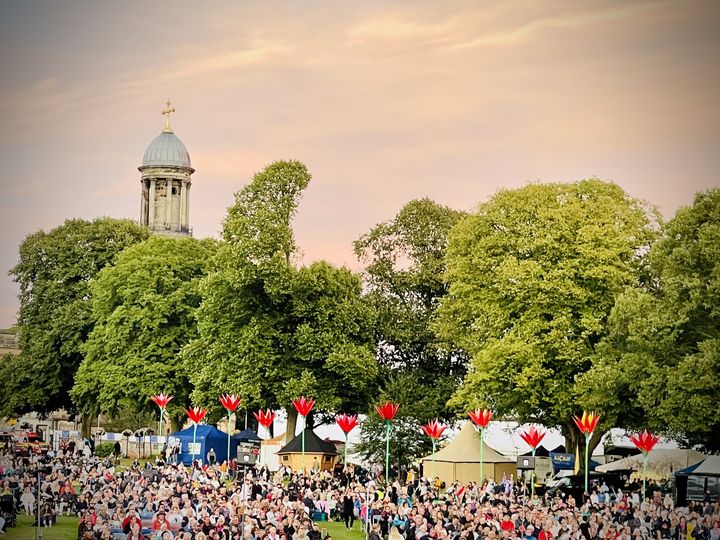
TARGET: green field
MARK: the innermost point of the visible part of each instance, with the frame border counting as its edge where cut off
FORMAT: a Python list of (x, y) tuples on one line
[(66, 529)]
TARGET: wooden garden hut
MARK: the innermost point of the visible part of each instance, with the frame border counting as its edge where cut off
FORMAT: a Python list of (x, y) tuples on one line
[(317, 451)]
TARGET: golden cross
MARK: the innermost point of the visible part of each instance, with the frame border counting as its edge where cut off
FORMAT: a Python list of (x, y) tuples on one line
[(166, 112)]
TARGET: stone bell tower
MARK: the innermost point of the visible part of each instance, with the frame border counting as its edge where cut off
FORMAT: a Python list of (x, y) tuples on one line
[(165, 181)]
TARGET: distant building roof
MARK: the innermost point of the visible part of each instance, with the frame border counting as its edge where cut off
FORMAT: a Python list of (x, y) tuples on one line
[(313, 444), (166, 150)]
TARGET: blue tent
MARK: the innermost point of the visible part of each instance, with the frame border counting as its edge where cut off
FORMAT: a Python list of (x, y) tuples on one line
[(207, 437)]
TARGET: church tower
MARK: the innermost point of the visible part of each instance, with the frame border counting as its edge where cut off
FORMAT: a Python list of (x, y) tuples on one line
[(165, 181)]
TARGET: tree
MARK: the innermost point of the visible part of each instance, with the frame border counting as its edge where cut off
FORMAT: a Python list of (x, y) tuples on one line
[(662, 352), (54, 274), (270, 331), (144, 312), (404, 275), (407, 440), (533, 276)]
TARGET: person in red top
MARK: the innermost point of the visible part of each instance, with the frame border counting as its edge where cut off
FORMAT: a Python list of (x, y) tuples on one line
[(159, 520), (545, 532), (507, 524), (131, 518)]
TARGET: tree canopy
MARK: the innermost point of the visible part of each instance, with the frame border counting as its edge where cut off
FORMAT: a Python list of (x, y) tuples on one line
[(143, 310), (405, 265), (533, 275), (659, 362), (54, 274), (271, 331)]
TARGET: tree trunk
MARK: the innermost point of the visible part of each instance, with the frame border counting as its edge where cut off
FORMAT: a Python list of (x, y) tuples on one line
[(575, 444), (292, 417), (86, 425)]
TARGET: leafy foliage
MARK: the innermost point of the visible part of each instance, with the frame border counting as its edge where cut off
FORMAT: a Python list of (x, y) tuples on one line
[(404, 274), (144, 312), (128, 417), (104, 450), (269, 331), (660, 360), (54, 273), (533, 276)]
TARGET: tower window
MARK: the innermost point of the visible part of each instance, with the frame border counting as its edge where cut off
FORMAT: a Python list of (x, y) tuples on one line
[(174, 190)]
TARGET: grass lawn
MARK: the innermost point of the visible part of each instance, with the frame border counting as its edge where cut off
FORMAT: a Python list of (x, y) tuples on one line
[(65, 529), (337, 530)]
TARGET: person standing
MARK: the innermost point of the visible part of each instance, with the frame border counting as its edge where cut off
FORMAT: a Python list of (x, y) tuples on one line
[(348, 510)]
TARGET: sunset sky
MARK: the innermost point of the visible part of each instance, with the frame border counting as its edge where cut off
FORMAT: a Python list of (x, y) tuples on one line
[(383, 101)]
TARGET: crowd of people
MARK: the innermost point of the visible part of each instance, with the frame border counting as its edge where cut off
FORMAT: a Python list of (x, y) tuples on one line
[(164, 501)]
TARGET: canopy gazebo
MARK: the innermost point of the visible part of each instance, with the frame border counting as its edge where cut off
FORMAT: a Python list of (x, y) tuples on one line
[(661, 462), (459, 460)]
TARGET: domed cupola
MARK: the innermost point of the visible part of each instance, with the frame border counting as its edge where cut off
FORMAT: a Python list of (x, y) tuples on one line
[(166, 150), (166, 170)]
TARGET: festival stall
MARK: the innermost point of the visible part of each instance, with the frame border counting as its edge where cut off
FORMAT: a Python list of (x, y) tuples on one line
[(661, 462), (318, 453), (699, 481), (207, 437), (460, 460)]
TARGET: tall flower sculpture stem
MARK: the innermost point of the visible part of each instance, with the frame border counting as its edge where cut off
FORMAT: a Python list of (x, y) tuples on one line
[(533, 436), (161, 400), (434, 430), (196, 415), (387, 412), (230, 402), (481, 418), (303, 407), (586, 424), (347, 422), (645, 442), (265, 419)]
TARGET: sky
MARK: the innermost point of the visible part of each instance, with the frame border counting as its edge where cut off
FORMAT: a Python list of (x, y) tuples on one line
[(383, 101)]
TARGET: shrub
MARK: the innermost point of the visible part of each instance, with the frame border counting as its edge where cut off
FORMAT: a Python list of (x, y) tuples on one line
[(104, 449)]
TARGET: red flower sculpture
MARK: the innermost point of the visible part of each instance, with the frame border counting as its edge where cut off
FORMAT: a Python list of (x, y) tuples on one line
[(161, 400), (480, 417), (347, 422), (645, 441), (533, 436), (196, 414), (230, 402), (387, 411), (264, 418), (303, 405), (587, 423), (434, 429)]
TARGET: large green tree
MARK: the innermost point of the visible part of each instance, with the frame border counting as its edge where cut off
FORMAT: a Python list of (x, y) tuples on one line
[(271, 331), (143, 310), (405, 264), (54, 274), (533, 275), (658, 366)]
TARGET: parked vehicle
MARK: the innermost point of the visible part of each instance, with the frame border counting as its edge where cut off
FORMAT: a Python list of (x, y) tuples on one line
[(574, 484), (29, 442)]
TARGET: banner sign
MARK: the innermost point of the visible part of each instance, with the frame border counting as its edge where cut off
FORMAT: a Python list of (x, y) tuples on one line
[(562, 462)]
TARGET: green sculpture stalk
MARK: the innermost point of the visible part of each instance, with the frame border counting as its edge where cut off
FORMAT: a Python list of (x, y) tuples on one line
[(482, 449), (227, 456), (587, 459), (387, 451), (532, 478), (194, 439)]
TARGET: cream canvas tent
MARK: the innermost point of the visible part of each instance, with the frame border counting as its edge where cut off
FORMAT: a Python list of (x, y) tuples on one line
[(662, 462), (460, 460)]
